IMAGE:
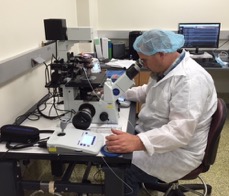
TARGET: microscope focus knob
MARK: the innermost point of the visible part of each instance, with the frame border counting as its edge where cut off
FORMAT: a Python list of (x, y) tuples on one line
[(83, 118), (104, 116)]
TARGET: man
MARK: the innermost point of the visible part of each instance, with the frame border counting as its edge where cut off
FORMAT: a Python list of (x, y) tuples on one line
[(175, 117)]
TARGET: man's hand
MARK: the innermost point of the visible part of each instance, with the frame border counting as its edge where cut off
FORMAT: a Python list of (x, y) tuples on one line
[(121, 142)]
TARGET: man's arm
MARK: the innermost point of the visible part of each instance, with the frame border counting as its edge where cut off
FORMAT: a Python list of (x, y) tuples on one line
[(136, 94)]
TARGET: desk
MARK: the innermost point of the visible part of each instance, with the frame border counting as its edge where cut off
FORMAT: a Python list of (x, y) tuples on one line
[(12, 183)]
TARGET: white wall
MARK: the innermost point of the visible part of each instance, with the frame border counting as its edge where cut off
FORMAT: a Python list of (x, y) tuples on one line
[(147, 14), (87, 15), (22, 29)]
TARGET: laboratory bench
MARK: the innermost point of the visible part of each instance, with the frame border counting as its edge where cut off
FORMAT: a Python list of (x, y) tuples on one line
[(13, 184)]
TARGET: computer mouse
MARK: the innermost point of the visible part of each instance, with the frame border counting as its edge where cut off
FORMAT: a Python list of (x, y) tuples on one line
[(107, 153)]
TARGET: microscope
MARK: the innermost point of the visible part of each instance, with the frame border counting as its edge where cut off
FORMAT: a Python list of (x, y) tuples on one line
[(92, 96), (98, 106), (100, 109)]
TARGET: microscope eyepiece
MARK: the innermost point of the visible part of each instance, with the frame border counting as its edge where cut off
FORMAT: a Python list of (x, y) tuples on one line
[(133, 70)]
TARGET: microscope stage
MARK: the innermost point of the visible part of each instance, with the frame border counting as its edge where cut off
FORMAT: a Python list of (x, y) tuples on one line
[(96, 80)]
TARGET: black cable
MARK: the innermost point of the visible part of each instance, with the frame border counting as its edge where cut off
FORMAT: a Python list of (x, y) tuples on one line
[(46, 131), (223, 43), (40, 111), (41, 142), (34, 117), (220, 46), (18, 146), (28, 116), (32, 111), (56, 48), (47, 74), (58, 116)]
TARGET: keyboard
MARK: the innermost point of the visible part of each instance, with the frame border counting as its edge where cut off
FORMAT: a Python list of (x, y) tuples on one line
[(208, 64)]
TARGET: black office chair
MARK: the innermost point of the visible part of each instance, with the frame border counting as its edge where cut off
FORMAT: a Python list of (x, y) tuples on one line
[(176, 189)]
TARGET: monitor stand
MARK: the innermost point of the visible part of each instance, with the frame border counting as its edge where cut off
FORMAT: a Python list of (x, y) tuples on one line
[(204, 55), (197, 52)]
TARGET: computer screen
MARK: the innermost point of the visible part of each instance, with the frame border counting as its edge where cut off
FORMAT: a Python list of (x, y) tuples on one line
[(200, 35)]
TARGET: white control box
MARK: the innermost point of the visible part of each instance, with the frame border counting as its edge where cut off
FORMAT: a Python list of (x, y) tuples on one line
[(75, 141)]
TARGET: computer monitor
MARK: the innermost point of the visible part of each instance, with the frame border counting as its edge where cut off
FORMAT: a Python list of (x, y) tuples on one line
[(200, 35)]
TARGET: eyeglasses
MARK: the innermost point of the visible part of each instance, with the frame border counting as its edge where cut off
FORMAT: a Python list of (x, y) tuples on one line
[(140, 61)]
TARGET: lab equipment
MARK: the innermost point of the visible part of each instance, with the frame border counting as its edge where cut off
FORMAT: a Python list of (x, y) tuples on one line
[(107, 153), (132, 37), (75, 141), (119, 50), (56, 30), (63, 124), (97, 102), (89, 94), (200, 35), (92, 96)]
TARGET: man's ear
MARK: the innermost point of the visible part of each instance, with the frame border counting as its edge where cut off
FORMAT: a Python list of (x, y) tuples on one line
[(161, 54)]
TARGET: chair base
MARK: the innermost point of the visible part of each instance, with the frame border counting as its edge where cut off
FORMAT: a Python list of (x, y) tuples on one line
[(175, 189)]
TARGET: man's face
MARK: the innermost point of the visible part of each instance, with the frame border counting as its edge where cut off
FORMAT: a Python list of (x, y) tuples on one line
[(153, 62)]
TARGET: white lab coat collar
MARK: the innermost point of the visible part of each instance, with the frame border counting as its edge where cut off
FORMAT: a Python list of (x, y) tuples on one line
[(178, 70)]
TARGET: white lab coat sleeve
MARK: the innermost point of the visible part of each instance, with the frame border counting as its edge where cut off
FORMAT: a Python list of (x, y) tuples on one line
[(146, 142), (136, 94), (168, 137)]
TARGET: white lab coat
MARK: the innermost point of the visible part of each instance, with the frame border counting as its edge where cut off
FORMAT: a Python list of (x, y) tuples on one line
[(174, 120)]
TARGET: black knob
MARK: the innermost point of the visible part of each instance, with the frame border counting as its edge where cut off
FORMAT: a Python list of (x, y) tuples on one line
[(103, 116), (82, 119)]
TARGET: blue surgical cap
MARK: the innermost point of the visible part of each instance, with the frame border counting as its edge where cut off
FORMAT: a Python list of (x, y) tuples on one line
[(154, 41)]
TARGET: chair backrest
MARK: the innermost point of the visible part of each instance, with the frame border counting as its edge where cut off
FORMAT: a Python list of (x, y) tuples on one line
[(217, 123)]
